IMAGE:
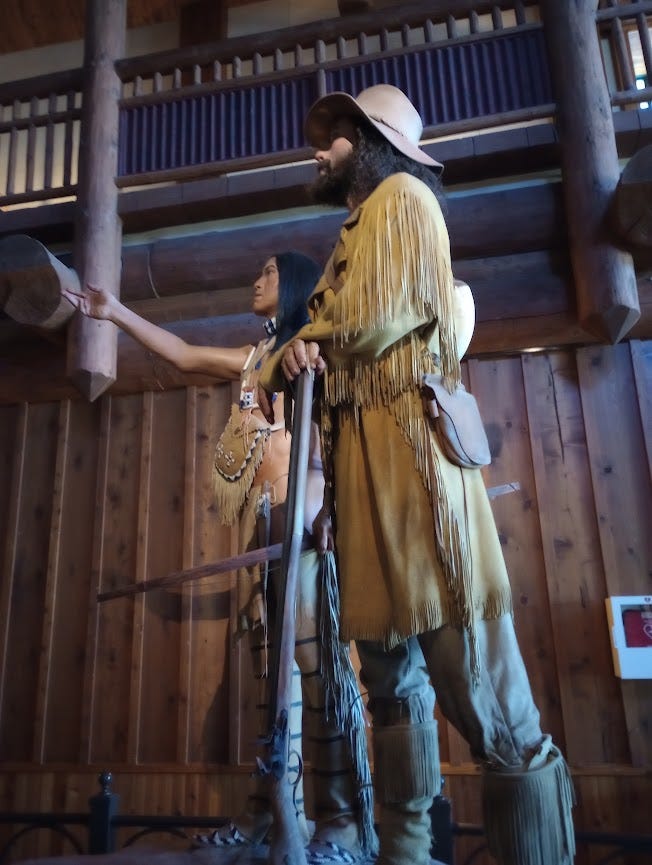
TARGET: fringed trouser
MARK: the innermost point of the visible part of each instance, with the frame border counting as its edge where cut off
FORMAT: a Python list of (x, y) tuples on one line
[(527, 793)]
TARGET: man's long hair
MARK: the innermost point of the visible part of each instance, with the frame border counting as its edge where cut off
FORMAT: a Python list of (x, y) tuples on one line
[(297, 276), (375, 159), (372, 160)]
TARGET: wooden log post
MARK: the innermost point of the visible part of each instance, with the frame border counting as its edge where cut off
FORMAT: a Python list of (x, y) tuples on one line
[(32, 281), (92, 345), (607, 298)]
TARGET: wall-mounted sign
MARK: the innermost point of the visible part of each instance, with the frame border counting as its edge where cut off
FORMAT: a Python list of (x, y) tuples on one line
[(630, 628)]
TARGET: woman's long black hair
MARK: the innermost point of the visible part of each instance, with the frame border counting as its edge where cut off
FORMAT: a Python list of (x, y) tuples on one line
[(297, 276)]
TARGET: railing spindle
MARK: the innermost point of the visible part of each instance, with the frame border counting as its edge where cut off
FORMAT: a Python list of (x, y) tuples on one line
[(48, 162), (31, 145), (646, 44), (68, 140), (13, 147), (622, 55), (519, 10)]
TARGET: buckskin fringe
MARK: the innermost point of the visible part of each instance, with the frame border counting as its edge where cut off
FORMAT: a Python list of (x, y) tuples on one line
[(392, 381), (527, 814), (401, 240), (406, 762), (343, 695), (371, 383), (230, 495)]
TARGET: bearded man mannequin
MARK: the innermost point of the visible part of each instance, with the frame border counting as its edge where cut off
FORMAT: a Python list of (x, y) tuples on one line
[(424, 588)]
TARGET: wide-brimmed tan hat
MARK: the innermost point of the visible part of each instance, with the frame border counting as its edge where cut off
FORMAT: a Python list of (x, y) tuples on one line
[(384, 106)]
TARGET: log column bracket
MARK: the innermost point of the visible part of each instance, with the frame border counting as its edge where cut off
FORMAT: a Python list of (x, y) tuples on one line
[(92, 345), (605, 279), (632, 203)]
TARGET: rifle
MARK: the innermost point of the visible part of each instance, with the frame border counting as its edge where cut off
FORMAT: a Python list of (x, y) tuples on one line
[(177, 578), (287, 846)]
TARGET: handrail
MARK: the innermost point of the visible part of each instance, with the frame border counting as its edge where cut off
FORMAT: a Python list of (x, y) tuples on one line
[(288, 37)]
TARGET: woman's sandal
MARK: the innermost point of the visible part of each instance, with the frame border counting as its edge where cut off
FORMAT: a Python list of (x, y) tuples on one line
[(329, 853), (224, 836)]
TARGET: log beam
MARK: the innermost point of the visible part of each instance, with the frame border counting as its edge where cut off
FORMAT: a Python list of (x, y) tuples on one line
[(481, 226), (604, 275), (31, 283), (543, 325), (92, 345)]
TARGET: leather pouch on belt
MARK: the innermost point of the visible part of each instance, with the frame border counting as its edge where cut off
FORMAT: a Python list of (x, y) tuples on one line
[(457, 422)]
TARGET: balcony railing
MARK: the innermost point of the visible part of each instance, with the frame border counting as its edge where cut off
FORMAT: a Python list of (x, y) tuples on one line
[(240, 103)]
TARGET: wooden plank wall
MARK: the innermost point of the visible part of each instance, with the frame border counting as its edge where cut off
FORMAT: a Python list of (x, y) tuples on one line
[(96, 495)]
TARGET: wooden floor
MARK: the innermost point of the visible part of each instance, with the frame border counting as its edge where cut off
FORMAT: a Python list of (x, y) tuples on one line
[(148, 856), (142, 855)]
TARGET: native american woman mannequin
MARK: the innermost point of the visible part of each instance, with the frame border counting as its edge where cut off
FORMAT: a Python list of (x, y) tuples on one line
[(250, 481)]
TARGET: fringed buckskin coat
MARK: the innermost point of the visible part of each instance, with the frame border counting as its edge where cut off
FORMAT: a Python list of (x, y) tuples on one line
[(416, 540)]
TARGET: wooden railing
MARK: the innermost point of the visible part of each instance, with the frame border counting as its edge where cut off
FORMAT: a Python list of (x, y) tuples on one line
[(103, 821), (239, 103)]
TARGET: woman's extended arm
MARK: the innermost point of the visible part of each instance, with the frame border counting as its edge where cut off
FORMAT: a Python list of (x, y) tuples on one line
[(213, 360)]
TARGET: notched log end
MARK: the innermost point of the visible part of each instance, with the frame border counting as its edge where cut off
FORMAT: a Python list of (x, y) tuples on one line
[(91, 384)]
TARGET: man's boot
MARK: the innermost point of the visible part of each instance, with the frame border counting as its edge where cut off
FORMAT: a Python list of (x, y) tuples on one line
[(407, 778), (527, 811)]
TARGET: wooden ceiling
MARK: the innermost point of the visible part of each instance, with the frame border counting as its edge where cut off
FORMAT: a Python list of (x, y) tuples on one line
[(35, 23)]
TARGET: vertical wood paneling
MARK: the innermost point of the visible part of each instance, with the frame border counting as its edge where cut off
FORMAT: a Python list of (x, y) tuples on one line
[(30, 557), (14, 430), (574, 572), (500, 393), (210, 660), (47, 638), (117, 516), (164, 550), (623, 497), (138, 609), (96, 535), (127, 494), (71, 608), (187, 591), (642, 365)]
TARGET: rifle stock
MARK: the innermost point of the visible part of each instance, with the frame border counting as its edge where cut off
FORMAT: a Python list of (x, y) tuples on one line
[(287, 846)]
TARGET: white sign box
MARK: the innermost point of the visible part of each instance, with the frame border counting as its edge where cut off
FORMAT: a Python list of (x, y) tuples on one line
[(630, 628)]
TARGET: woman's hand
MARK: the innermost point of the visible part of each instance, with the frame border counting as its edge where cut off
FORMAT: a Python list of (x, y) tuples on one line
[(300, 355), (322, 530), (94, 302)]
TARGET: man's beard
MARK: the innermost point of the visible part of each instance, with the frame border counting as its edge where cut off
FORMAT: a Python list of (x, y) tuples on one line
[(333, 185)]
